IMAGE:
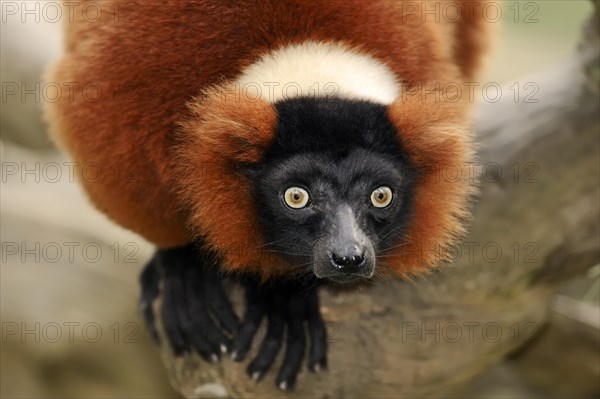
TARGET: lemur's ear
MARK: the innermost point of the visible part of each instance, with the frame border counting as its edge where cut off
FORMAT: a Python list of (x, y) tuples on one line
[(225, 131), (436, 140)]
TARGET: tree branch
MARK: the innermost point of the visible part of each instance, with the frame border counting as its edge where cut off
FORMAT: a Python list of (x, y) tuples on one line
[(535, 225)]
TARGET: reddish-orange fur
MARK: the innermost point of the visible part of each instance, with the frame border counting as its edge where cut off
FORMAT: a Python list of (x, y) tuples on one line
[(435, 136), (152, 59), (226, 129)]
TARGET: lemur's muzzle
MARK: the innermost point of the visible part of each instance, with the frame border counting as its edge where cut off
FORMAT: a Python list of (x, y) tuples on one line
[(349, 253)]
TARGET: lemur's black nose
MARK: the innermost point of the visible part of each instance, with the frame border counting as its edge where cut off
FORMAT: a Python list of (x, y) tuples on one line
[(349, 262)]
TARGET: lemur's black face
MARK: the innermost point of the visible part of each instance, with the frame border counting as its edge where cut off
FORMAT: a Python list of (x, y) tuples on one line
[(334, 190)]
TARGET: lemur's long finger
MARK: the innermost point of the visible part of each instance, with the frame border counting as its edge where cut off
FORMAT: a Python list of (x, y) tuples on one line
[(220, 305), (272, 342), (200, 328), (296, 343), (317, 357), (171, 265), (255, 311), (173, 313), (149, 280)]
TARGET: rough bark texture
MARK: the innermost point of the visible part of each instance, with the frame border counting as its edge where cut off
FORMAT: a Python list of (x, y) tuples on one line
[(571, 373), (536, 224)]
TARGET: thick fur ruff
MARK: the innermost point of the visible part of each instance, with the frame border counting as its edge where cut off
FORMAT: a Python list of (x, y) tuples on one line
[(225, 131), (228, 130), (436, 140), (149, 63)]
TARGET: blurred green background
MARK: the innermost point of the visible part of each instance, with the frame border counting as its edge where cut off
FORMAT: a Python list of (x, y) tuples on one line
[(534, 35), (86, 295)]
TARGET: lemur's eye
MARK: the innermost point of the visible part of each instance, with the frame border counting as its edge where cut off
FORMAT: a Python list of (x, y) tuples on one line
[(296, 197), (381, 197)]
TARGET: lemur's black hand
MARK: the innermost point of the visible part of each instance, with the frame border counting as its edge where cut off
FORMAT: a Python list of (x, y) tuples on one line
[(196, 313), (288, 305)]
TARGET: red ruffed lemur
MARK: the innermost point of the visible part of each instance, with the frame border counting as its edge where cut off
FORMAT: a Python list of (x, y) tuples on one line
[(284, 144)]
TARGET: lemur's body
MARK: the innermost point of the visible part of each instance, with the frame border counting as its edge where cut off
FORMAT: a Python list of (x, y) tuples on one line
[(288, 137)]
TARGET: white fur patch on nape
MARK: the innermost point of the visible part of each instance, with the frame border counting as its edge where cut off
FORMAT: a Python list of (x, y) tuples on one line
[(316, 69)]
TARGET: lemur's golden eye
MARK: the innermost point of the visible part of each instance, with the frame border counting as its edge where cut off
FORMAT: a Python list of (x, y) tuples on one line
[(381, 197), (296, 197)]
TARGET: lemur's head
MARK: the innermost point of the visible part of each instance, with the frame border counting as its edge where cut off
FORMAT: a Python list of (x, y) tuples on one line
[(342, 189), (334, 190), (316, 159)]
